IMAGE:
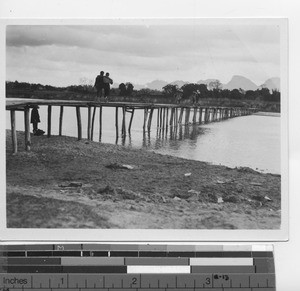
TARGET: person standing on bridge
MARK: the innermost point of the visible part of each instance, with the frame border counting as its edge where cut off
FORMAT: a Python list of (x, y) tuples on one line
[(99, 84), (107, 81)]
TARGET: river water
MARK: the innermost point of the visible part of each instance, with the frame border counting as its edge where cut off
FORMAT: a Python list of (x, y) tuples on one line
[(248, 141)]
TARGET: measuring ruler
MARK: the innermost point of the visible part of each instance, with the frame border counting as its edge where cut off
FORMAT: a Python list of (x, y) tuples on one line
[(136, 267)]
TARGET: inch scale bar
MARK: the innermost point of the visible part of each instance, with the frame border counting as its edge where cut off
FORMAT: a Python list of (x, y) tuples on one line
[(209, 281), (89, 267)]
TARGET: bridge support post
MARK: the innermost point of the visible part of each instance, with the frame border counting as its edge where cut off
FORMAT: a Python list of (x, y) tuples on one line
[(79, 125), (100, 123), (167, 118), (164, 118), (200, 115), (187, 116), (195, 115), (176, 116), (145, 118), (180, 115), (124, 122), (160, 117), (89, 123), (215, 114), (171, 117), (206, 115), (61, 114), (130, 122), (150, 119), (49, 120), (93, 122), (117, 122), (27, 128), (13, 131)]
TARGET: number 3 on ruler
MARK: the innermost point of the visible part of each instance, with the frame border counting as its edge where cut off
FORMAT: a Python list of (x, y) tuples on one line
[(207, 281)]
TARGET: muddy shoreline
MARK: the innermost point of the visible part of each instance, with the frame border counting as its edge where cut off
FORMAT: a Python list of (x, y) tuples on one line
[(65, 183)]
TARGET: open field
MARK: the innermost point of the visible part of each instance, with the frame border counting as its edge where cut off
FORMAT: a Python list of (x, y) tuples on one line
[(65, 183)]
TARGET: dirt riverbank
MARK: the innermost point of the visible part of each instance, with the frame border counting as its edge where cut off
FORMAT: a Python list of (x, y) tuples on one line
[(65, 183)]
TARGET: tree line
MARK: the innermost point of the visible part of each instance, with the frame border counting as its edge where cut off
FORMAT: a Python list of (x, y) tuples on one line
[(194, 90), (201, 91)]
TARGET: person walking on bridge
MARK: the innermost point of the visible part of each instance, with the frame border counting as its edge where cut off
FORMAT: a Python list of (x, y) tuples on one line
[(99, 84), (107, 81)]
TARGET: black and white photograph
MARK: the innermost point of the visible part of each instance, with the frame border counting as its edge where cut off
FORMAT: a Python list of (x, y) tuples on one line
[(146, 124)]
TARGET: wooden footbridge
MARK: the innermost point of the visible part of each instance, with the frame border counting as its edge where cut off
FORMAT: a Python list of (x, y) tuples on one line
[(168, 115)]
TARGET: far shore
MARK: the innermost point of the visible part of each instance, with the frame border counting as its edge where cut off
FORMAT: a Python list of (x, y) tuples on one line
[(262, 113), (66, 183)]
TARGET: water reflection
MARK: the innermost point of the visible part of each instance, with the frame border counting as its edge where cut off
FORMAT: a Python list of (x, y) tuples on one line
[(170, 137), (252, 141)]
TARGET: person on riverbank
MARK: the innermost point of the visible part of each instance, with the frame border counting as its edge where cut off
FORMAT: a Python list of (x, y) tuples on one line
[(107, 81), (35, 120), (99, 84)]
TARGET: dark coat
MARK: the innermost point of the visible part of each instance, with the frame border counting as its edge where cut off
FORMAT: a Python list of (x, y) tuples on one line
[(35, 117), (99, 84)]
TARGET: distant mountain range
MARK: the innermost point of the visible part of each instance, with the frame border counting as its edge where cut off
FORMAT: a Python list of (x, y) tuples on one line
[(237, 82), (271, 84)]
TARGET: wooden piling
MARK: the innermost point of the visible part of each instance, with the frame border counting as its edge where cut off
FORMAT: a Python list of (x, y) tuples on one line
[(200, 115), (145, 118), (131, 118), (206, 115), (195, 115), (181, 115), (164, 117), (61, 114), (79, 125), (160, 117), (93, 122), (100, 123), (13, 131), (117, 123), (167, 123), (49, 120), (187, 115), (27, 128), (150, 119), (124, 122), (89, 123), (171, 117)]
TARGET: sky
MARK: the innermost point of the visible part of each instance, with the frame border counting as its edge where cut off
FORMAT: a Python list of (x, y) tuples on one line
[(62, 55)]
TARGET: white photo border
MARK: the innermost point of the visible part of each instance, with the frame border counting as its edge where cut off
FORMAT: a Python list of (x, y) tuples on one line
[(165, 235)]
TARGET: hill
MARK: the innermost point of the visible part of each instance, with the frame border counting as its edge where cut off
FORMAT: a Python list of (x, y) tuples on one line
[(156, 85), (238, 82), (272, 84)]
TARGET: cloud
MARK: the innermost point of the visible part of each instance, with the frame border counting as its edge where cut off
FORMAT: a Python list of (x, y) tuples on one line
[(141, 52)]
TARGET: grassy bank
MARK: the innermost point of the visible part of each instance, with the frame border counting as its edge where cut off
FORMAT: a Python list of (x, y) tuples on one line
[(63, 183)]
